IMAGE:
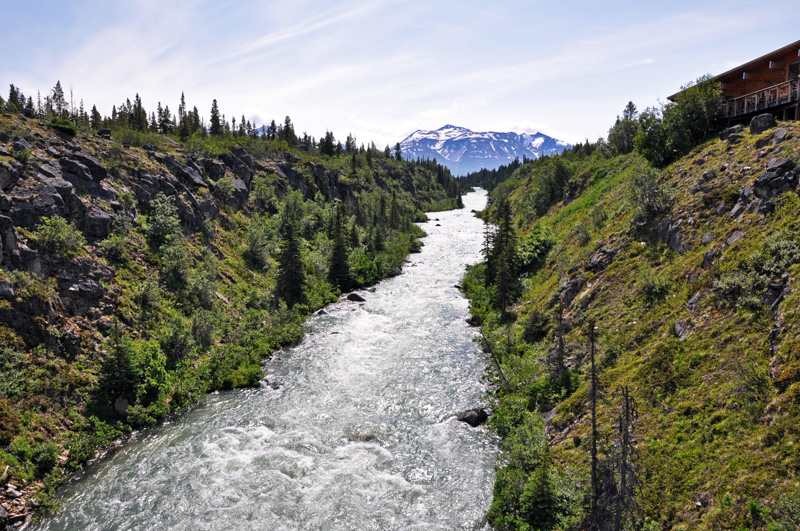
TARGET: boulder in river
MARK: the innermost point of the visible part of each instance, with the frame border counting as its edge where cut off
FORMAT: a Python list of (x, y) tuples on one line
[(473, 417), (355, 297)]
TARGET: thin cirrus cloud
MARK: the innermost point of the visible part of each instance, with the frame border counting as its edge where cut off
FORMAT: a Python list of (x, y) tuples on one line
[(382, 69)]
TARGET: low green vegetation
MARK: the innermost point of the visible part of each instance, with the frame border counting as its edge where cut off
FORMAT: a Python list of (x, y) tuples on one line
[(642, 338), (135, 325), (59, 237)]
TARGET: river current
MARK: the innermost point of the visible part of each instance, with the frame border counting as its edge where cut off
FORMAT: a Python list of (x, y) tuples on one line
[(360, 434)]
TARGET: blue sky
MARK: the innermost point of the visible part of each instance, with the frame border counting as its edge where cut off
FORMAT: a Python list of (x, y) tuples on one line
[(384, 68)]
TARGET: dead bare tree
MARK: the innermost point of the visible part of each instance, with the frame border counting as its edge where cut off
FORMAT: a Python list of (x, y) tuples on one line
[(615, 508), (593, 402)]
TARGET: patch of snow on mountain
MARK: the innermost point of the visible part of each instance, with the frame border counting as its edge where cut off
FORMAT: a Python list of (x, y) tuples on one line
[(465, 151)]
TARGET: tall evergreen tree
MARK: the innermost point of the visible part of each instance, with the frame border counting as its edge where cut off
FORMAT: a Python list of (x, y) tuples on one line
[(350, 143), (327, 145), (58, 100), (287, 133), (139, 115), (505, 254), (13, 103), (290, 284), (339, 271), (165, 120), (94, 118), (216, 124)]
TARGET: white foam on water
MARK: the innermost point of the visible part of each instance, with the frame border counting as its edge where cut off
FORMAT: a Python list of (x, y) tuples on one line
[(360, 434)]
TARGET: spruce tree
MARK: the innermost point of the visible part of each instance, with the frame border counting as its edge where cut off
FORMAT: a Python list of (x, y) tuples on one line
[(216, 123), (505, 250), (339, 271), (290, 284), (59, 102), (13, 99), (95, 119), (139, 115)]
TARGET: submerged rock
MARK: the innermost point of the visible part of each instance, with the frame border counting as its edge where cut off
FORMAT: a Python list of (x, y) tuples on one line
[(355, 297)]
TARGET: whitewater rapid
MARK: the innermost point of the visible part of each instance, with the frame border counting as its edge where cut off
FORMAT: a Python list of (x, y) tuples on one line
[(360, 434)]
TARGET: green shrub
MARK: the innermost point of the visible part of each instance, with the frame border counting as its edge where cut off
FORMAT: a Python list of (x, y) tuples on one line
[(204, 327), (363, 267), (649, 200), (12, 366), (23, 156), (224, 189), (548, 179), (264, 193), (599, 216), (175, 264), (529, 493), (163, 224), (21, 447), (64, 125), (533, 248), (261, 246), (509, 413), (45, 456), (744, 287), (30, 285), (94, 434), (9, 423), (736, 288), (58, 237), (536, 328), (131, 137), (655, 289), (116, 249), (582, 235), (785, 514)]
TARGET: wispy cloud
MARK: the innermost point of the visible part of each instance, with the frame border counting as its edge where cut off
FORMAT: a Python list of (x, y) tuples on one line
[(385, 68)]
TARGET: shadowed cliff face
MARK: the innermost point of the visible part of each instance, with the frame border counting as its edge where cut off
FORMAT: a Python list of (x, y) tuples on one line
[(137, 274)]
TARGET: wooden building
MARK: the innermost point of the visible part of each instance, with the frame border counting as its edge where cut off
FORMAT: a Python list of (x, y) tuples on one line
[(767, 84)]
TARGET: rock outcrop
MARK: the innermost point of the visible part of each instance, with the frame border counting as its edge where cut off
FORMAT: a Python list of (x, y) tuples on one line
[(473, 417)]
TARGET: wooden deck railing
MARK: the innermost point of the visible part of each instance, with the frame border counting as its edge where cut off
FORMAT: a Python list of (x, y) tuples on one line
[(773, 96)]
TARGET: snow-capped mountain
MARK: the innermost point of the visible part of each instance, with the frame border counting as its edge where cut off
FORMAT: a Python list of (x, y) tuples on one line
[(465, 151)]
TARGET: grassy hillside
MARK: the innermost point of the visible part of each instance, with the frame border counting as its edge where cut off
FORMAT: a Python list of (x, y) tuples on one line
[(140, 272), (686, 276)]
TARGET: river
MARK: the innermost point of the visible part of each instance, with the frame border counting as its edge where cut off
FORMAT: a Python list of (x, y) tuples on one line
[(360, 434)]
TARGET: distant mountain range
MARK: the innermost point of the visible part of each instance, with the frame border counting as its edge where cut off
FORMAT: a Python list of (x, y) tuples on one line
[(465, 151)]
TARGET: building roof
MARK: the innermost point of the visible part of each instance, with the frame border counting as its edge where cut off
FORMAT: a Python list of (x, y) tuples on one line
[(790, 51)]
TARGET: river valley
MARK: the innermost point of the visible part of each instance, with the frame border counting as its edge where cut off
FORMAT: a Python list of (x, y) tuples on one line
[(360, 432)]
